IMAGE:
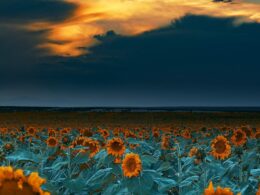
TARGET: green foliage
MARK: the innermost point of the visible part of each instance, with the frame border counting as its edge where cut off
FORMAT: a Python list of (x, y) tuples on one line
[(69, 171)]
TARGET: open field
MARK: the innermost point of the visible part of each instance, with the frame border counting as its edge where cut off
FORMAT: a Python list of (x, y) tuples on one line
[(82, 119), (179, 153)]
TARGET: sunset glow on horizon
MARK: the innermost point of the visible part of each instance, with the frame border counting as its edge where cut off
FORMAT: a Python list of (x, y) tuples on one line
[(128, 18)]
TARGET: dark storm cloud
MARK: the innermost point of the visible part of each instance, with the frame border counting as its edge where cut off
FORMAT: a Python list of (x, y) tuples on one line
[(19, 56), (196, 61), (18, 46), (34, 10), (201, 52)]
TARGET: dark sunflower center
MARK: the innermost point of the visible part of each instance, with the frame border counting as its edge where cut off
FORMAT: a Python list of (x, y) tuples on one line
[(11, 187), (220, 146), (31, 131), (239, 136), (131, 164), (117, 146), (80, 142), (52, 142)]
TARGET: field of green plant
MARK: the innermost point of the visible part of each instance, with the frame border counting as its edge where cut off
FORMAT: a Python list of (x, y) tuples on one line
[(101, 160)]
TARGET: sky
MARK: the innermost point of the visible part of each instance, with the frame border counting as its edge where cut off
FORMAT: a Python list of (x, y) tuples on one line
[(129, 53)]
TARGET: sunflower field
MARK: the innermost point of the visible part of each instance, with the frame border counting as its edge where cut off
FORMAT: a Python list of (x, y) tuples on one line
[(103, 160)]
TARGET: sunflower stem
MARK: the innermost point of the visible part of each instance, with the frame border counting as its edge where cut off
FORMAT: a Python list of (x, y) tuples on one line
[(69, 162), (179, 167), (205, 174), (240, 172)]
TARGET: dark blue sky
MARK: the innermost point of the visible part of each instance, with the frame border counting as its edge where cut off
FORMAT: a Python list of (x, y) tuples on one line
[(197, 60)]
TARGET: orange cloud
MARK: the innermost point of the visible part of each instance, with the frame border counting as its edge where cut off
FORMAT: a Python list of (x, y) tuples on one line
[(129, 17)]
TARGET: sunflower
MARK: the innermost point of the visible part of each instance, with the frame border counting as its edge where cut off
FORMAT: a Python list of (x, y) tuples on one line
[(165, 145), (93, 146), (66, 141), (131, 165), (140, 134), (146, 135), (134, 146), (193, 151), (86, 132), (129, 134), (238, 138), (176, 132), (116, 147), (257, 135), (198, 153), (258, 191), (52, 142), (15, 182), (65, 131), (219, 191), (220, 147), (21, 138), (13, 133), (79, 141), (104, 133), (249, 132), (156, 133), (117, 160), (51, 132), (31, 131), (116, 132), (8, 148), (186, 134), (3, 130)]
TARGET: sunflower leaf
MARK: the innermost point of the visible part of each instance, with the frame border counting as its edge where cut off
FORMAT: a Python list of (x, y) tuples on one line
[(255, 172), (164, 184), (189, 181)]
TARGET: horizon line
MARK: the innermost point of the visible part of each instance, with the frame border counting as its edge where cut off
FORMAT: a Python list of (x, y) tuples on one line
[(35, 106)]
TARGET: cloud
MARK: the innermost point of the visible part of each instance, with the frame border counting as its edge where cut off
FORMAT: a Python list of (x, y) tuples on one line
[(17, 49), (71, 25), (130, 18), (18, 11), (195, 51), (197, 60), (18, 44), (142, 52)]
